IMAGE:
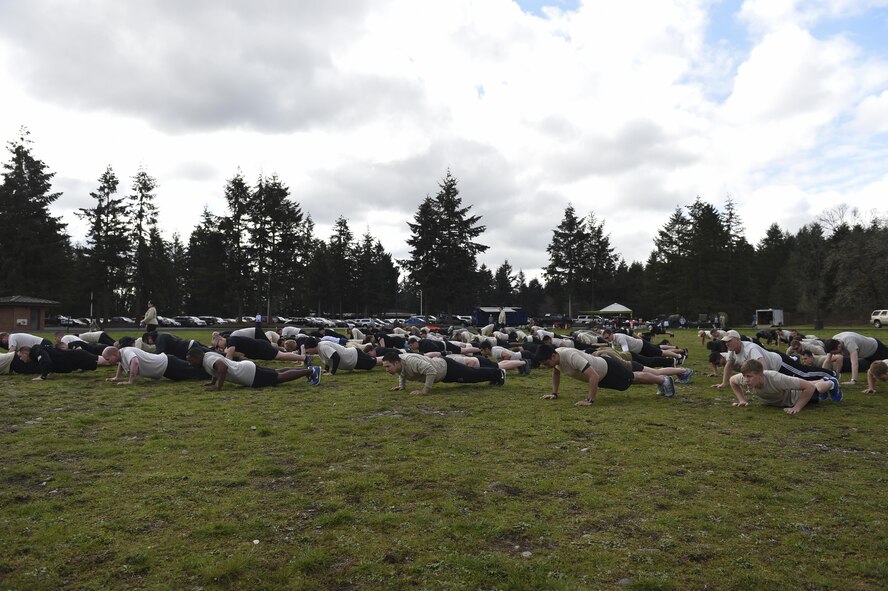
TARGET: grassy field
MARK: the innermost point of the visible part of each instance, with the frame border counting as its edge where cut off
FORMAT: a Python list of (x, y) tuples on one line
[(352, 486)]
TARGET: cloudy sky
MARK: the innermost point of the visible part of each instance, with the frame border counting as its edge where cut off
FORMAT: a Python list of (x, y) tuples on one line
[(627, 109)]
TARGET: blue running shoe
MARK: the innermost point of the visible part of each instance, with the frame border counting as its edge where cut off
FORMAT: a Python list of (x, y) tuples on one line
[(835, 392), (315, 377), (685, 378)]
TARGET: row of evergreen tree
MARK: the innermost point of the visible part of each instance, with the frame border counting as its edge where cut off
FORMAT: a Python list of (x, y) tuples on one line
[(263, 254)]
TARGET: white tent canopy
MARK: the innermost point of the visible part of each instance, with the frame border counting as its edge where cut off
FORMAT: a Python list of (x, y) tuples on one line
[(615, 308)]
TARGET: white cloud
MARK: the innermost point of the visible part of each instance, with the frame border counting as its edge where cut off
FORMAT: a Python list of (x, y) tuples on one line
[(361, 107)]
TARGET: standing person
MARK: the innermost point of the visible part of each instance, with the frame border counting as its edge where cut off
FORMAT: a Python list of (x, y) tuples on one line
[(150, 318), (501, 319)]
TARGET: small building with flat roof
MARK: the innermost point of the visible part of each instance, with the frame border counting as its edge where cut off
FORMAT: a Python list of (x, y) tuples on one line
[(23, 313)]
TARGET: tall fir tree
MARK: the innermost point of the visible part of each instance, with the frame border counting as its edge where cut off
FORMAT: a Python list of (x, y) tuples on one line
[(143, 224), (234, 225), (567, 251), (109, 249), (206, 285), (35, 248), (444, 249)]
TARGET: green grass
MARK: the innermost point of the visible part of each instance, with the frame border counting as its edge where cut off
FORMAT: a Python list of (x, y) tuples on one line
[(352, 486)]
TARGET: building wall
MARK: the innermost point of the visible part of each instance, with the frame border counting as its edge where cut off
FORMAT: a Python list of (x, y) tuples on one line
[(10, 314)]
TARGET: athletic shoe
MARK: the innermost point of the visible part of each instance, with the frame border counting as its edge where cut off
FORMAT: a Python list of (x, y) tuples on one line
[(527, 367), (502, 378), (835, 392), (660, 390), (685, 378), (668, 387), (308, 362), (315, 377)]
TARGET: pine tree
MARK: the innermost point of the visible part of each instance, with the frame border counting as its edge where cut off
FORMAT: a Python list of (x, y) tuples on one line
[(206, 286), (341, 263), (234, 226), (504, 285), (567, 251), (143, 223), (34, 244), (443, 249), (109, 244)]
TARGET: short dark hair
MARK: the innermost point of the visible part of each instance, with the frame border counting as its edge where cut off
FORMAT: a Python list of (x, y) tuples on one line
[(391, 356), (195, 353), (485, 345), (126, 342), (830, 345), (150, 335), (545, 353)]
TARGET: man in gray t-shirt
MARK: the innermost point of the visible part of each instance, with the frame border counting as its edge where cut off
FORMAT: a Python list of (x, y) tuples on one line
[(859, 351)]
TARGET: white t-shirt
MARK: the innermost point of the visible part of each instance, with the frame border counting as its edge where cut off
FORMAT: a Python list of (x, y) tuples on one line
[(17, 340), (627, 343), (90, 337), (749, 350), (151, 365), (289, 331), (239, 372)]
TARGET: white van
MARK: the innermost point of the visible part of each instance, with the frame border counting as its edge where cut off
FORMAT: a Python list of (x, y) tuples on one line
[(879, 317)]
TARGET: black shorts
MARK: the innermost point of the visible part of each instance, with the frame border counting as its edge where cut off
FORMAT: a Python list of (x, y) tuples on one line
[(265, 377), (619, 377), (179, 370), (649, 349), (254, 348)]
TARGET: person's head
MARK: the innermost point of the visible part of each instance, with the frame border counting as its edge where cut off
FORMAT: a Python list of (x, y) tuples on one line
[(4, 340), (879, 370), (807, 357), (290, 345), (607, 335), (413, 343), (753, 373), (833, 346), (150, 338), (732, 340), (150, 304), (58, 335), (547, 339), (547, 356), (795, 345), (126, 342), (24, 354), (195, 356), (111, 355), (391, 362), (485, 348), (219, 342)]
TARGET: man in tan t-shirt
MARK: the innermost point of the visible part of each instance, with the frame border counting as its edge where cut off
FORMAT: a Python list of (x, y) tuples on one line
[(604, 372), (777, 389)]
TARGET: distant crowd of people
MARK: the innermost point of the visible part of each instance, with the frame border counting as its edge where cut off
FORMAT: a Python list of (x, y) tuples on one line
[(808, 371)]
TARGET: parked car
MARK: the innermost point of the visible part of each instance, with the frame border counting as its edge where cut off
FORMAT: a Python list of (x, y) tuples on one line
[(465, 320), (879, 317), (248, 319), (190, 321), (123, 320), (164, 321), (416, 321), (213, 320)]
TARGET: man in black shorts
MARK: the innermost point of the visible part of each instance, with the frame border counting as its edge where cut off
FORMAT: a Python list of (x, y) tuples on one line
[(247, 373), (53, 360)]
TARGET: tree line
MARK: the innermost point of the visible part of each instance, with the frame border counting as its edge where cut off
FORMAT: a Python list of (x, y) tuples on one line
[(263, 254)]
